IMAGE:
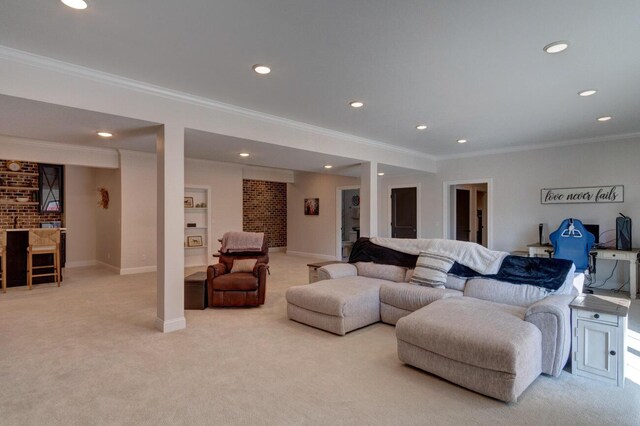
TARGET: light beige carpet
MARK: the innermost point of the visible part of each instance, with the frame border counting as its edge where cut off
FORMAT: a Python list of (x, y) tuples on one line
[(87, 353)]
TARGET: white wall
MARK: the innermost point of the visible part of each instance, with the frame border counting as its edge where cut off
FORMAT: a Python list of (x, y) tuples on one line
[(518, 178), (429, 219), (314, 235), (225, 181), (108, 226), (139, 211), (80, 207)]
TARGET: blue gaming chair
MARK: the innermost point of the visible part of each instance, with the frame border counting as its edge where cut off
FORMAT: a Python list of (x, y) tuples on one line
[(573, 242)]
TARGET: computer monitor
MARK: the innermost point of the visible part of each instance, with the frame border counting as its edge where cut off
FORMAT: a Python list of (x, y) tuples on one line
[(595, 230)]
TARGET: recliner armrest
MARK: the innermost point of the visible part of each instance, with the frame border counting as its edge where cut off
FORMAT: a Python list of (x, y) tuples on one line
[(337, 270), (257, 269), (552, 316), (216, 270)]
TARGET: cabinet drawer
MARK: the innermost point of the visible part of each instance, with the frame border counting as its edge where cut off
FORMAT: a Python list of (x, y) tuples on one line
[(596, 316)]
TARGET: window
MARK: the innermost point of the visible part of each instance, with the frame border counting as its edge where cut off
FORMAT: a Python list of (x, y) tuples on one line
[(51, 189)]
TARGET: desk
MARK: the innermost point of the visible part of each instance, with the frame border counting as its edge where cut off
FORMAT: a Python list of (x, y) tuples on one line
[(630, 256)]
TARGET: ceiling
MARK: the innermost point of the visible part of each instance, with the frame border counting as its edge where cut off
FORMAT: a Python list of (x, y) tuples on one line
[(467, 69), (48, 122)]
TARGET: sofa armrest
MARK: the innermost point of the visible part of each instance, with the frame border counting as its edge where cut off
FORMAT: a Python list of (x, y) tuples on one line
[(552, 316), (337, 270)]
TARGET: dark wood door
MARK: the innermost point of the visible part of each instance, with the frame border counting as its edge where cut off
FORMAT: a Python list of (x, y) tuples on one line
[(463, 227), (404, 215)]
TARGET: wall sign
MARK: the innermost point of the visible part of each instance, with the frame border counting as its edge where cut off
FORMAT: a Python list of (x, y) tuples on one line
[(582, 195)]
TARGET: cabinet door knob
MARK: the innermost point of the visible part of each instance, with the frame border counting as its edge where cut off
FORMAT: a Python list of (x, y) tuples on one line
[(596, 316), (612, 353)]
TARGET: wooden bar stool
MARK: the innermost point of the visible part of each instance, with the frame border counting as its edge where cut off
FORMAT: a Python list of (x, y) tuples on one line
[(41, 242), (3, 255)]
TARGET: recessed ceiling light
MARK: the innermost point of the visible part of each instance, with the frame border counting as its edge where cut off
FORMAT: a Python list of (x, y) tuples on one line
[(605, 118), (588, 92), (356, 104), (421, 126), (75, 4), (244, 154), (261, 69), (462, 141), (328, 166), (380, 173), (104, 134), (556, 47)]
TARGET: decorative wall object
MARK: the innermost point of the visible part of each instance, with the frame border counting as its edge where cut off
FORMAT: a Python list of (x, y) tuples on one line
[(312, 206), (194, 241), (103, 198), (188, 202), (583, 195)]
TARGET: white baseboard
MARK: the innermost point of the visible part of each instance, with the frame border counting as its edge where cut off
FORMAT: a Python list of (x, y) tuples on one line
[(106, 265), (138, 270), (277, 249), (311, 255), (80, 263), (171, 325)]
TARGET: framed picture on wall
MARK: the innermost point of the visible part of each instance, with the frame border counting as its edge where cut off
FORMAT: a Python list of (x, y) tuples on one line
[(312, 206), (188, 202), (194, 241)]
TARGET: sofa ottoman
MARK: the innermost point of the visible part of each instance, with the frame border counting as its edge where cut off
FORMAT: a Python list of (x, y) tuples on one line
[(338, 306), (481, 345)]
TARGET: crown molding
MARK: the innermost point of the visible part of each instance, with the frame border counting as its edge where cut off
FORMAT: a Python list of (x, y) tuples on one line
[(51, 64), (532, 147)]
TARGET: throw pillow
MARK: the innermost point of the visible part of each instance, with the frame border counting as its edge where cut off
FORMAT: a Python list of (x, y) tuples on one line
[(431, 269), (243, 265)]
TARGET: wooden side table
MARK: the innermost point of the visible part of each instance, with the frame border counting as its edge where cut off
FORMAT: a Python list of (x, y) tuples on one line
[(598, 343), (313, 269)]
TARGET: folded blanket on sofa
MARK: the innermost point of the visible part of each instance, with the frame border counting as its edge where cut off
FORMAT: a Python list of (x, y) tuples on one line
[(543, 272), (472, 255), (364, 250), (235, 242)]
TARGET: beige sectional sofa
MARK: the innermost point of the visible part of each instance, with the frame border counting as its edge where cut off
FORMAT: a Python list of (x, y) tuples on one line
[(489, 336)]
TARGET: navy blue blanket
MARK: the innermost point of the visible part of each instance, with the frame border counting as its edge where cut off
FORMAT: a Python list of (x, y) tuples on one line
[(537, 271)]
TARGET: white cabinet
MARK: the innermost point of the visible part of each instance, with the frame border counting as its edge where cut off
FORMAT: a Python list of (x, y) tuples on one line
[(599, 327), (197, 220)]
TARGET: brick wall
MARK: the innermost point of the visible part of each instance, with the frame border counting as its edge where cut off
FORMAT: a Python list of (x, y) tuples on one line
[(264, 209), (28, 216)]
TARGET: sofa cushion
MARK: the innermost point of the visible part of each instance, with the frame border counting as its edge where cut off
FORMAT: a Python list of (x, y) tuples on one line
[(380, 271), (407, 277), (431, 269), (412, 297), (502, 292), (455, 283)]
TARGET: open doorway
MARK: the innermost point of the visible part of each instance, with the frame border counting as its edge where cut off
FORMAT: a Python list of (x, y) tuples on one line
[(347, 220), (467, 211)]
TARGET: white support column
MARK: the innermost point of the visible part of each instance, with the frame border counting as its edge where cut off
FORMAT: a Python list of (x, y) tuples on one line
[(369, 199), (170, 178)]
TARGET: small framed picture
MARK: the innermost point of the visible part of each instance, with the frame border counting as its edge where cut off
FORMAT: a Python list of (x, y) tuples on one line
[(312, 206), (194, 241), (188, 202)]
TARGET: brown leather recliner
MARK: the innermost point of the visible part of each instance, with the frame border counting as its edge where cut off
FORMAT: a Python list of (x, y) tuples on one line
[(239, 288)]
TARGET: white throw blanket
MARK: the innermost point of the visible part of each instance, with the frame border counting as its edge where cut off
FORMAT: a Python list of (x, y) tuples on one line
[(472, 255), (236, 242)]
